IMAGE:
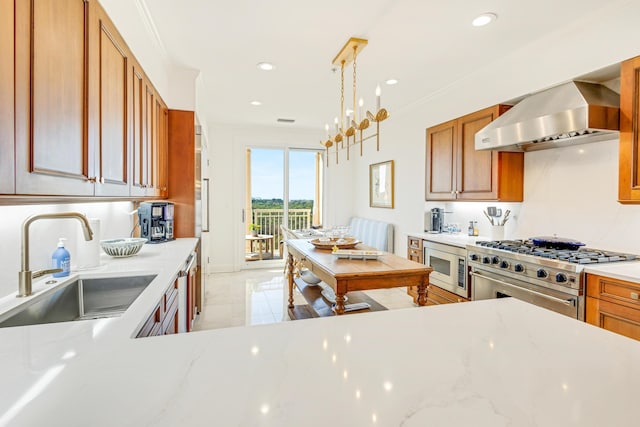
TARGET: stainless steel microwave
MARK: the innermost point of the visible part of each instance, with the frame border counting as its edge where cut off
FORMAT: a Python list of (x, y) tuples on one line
[(449, 265)]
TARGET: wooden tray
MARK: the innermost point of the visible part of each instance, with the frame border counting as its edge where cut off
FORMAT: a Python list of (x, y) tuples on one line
[(341, 243)]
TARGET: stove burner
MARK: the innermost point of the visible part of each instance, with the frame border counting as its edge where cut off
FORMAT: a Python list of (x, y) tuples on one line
[(578, 256)]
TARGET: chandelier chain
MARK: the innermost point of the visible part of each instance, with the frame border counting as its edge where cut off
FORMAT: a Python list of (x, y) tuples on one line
[(355, 48), (342, 96)]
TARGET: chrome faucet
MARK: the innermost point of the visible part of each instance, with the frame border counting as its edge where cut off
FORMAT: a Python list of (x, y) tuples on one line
[(25, 276)]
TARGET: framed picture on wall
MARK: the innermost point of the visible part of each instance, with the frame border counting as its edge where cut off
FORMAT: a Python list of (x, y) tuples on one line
[(381, 185)]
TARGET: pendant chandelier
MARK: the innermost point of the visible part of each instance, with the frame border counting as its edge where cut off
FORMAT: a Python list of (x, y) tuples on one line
[(350, 122)]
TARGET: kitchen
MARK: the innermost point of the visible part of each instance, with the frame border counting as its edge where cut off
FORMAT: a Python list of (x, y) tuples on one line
[(587, 210)]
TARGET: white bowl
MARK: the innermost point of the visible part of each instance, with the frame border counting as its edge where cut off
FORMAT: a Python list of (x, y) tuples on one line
[(122, 247)]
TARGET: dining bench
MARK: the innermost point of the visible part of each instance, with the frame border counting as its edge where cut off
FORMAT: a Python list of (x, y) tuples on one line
[(374, 233)]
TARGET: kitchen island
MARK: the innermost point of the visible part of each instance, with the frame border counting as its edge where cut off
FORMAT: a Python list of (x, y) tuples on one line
[(488, 363)]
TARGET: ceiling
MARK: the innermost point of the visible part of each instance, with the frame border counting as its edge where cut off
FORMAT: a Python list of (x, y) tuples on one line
[(426, 44)]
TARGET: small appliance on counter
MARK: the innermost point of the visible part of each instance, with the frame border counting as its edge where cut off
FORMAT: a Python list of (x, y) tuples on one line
[(156, 221), (436, 220)]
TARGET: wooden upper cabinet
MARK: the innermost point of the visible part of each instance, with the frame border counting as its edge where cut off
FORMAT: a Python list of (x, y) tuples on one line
[(85, 119), (138, 136), (182, 168), (442, 161), (456, 171), (149, 137), (7, 115), (109, 106), (629, 171), (162, 152), (52, 150)]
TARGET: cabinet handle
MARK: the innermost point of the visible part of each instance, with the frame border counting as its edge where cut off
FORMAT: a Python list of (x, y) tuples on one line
[(102, 180), (635, 296), (91, 179), (453, 192)]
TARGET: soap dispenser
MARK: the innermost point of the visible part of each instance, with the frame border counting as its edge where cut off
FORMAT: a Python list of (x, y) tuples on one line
[(61, 259)]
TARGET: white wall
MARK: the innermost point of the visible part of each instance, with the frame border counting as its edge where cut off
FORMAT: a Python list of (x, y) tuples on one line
[(115, 222), (567, 192)]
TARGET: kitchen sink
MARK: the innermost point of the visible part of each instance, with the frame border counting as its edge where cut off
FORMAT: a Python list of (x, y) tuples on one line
[(81, 299)]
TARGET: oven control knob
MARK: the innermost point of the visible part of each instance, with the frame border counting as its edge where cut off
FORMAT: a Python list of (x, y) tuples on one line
[(504, 264), (474, 257), (561, 277), (518, 268), (542, 273), (486, 260), (495, 260)]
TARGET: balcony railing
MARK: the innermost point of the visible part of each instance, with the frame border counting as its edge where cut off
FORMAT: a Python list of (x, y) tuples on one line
[(269, 221)]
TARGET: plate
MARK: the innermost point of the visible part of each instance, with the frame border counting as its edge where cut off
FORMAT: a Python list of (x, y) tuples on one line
[(330, 243)]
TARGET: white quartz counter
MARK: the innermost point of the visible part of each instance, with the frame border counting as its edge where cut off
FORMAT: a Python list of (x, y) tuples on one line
[(626, 270), (455, 239), (487, 363)]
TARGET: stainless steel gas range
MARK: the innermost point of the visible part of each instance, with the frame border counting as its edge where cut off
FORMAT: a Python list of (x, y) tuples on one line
[(548, 273)]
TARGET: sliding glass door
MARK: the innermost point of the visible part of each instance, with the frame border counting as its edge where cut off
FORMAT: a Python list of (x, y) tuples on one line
[(284, 187)]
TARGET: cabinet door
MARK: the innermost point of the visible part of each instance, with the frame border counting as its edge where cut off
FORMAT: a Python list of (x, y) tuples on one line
[(160, 149), (137, 99), (476, 172), (149, 136), (629, 172), (7, 150), (52, 151), (613, 317), (441, 162), (191, 297), (108, 106)]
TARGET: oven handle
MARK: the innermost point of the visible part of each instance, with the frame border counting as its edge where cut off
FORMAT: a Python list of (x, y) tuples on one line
[(570, 302)]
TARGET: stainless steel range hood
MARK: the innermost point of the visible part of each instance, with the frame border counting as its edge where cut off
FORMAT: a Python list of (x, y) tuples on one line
[(572, 113)]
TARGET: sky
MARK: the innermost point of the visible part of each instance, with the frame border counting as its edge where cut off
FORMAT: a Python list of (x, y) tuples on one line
[(267, 174)]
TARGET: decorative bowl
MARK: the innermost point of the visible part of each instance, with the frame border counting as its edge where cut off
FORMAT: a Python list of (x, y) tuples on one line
[(122, 247), (330, 243)]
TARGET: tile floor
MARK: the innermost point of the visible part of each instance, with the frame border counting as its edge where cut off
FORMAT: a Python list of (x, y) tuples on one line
[(252, 297)]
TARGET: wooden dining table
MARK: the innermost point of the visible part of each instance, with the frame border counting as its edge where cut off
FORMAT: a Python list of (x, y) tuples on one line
[(345, 275)]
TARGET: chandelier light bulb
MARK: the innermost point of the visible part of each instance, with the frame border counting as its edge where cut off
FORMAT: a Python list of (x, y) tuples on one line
[(378, 92)]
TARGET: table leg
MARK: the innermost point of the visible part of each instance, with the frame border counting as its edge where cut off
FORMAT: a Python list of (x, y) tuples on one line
[(290, 278), (422, 291), (339, 303)]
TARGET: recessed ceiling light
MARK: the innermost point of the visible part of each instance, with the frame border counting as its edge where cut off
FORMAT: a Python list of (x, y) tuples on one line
[(391, 82), (256, 103), (484, 19), (265, 66)]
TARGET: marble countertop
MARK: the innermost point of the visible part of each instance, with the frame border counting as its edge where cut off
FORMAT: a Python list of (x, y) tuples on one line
[(626, 270), (455, 239), (485, 363)]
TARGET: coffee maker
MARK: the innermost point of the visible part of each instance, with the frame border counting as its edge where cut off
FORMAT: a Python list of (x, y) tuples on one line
[(437, 220), (156, 221)]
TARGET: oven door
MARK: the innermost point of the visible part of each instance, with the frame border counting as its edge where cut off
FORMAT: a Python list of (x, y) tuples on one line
[(485, 285), (449, 270)]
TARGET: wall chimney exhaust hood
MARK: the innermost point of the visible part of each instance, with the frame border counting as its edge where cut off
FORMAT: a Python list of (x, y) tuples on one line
[(571, 113)]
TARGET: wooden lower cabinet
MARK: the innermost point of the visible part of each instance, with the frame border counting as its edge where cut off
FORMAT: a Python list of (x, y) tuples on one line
[(614, 305), (414, 249), (414, 253), (436, 296), (164, 318)]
